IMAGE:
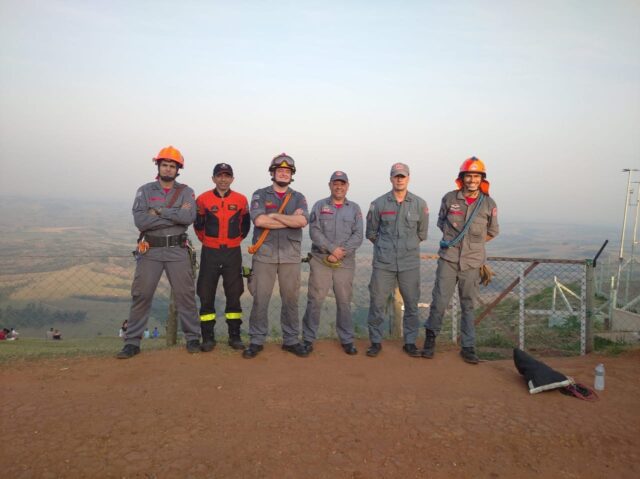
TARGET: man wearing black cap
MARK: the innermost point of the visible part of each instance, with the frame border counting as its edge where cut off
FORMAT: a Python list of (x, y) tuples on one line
[(222, 223), (335, 227), (396, 224)]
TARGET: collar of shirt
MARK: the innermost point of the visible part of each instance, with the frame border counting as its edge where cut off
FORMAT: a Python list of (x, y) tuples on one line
[(215, 192)]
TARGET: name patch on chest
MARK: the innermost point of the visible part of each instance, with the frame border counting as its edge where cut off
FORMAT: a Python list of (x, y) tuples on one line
[(233, 207), (326, 210)]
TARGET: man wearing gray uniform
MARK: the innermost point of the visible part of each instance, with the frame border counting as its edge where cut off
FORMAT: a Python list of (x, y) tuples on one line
[(278, 214), (468, 218), (162, 211), (396, 224), (335, 227)]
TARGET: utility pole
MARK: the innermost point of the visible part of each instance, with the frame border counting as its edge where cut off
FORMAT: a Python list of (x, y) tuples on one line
[(633, 245), (614, 299)]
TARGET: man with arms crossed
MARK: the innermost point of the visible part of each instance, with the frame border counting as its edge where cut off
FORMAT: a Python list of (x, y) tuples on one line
[(162, 211), (277, 244)]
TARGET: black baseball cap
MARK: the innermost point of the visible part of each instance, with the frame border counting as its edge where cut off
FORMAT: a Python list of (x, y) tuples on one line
[(222, 168)]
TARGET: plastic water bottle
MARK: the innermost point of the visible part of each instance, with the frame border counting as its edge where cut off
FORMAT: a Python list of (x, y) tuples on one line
[(599, 381)]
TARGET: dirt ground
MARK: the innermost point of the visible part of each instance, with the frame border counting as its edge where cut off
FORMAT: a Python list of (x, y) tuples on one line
[(168, 414)]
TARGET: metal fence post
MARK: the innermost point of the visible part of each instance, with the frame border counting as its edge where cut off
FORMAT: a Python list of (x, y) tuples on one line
[(172, 322), (396, 328), (586, 331), (521, 309), (613, 302), (454, 317)]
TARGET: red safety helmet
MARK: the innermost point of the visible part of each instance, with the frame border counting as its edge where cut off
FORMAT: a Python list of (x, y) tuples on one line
[(473, 165), (170, 153)]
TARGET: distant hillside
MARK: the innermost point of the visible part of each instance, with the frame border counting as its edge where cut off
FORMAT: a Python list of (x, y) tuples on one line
[(75, 259)]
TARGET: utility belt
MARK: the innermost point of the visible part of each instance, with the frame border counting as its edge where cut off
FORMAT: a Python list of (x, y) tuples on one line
[(167, 241)]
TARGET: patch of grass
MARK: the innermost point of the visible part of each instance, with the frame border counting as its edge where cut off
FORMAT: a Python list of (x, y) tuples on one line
[(495, 340), (34, 349), (493, 355), (612, 348)]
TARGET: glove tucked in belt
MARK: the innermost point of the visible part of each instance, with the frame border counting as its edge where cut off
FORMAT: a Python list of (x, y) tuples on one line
[(486, 275), (166, 241)]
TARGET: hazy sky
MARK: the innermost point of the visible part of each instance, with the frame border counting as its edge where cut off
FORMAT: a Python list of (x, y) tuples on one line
[(547, 93)]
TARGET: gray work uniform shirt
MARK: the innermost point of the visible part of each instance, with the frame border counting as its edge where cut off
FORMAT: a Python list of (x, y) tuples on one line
[(454, 212), (281, 245), (396, 230), (330, 227), (172, 221)]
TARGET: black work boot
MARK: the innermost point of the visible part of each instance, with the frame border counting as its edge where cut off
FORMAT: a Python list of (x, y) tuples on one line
[(207, 328), (193, 346), (429, 344), (252, 351), (128, 351), (374, 350), (308, 346), (297, 349), (412, 350), (234, 334), (469, 355)]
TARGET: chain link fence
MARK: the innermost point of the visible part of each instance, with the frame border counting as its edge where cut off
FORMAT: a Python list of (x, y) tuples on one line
[(537, 304)]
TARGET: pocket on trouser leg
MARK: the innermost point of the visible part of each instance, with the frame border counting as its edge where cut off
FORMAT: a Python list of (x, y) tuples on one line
[(251, 285)]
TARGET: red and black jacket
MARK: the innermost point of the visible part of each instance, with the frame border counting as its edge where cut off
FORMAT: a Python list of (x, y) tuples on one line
[(222, 221)]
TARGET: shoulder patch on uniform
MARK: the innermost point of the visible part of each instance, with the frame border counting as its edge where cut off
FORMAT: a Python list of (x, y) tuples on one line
[(255, 197), (139, 193), (372, 206), (494, 212), (255, 205)]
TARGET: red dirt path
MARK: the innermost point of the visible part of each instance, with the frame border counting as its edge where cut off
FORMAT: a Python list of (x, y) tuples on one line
[(167, 414)]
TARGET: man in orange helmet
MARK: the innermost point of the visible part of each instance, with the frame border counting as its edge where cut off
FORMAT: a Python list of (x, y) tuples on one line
[(162, 211), (468, 218)]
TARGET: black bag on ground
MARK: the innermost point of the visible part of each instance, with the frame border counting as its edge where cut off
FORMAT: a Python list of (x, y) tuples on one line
[(539, 376)]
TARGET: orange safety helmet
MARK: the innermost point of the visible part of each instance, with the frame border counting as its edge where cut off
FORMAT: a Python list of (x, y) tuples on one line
[(473, 165), (170, 153)]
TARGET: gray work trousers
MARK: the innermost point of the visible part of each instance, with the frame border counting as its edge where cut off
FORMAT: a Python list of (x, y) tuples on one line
[(261, 287), (382, 285), (145, 282), (321, 278), (447, 275)]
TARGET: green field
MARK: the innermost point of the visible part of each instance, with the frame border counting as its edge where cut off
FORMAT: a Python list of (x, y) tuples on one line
[(33, 349)]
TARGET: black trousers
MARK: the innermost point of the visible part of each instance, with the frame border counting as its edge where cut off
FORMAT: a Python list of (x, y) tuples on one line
[(225, 262)]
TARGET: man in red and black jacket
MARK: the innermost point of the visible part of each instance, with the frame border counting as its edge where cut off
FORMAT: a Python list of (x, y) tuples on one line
[(222, 222)]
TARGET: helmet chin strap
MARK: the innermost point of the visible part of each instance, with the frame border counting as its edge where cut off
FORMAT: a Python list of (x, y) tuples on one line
[(165, 178)]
